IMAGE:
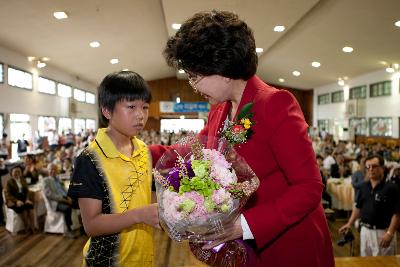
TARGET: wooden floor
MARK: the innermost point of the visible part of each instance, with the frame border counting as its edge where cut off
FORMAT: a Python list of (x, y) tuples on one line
[(56, 250)]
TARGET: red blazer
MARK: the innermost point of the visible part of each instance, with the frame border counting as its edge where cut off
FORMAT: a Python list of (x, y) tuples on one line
[(285, 213)]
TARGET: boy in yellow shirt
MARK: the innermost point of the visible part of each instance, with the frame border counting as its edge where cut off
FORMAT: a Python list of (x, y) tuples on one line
[(112, 178)]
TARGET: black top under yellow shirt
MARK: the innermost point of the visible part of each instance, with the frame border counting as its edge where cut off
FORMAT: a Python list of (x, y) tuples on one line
[(122, 183)]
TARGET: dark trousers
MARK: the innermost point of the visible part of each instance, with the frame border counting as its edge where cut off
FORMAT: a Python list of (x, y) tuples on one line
[(67, 210)]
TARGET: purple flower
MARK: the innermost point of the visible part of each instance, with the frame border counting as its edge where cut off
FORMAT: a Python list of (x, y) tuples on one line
[(189, 169), (173, 178), (173, 175)]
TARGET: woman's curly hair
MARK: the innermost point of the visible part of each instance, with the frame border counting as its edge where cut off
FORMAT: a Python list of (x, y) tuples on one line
[(215, 42)]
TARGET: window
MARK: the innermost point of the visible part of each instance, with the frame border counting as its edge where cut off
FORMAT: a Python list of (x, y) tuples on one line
[(323, 99), (1, 73), (90, 124), (64, 124), (46, 86), (1, 125), (380, 126), (323, 125), (358, 92), (64, 90), (46, 124), (380, 89), (90, 98), (359, 126), (337, 96), (20, 78), (79, 95), (79, 126)]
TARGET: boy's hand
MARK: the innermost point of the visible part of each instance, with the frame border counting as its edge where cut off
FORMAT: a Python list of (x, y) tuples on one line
[(150, 215)]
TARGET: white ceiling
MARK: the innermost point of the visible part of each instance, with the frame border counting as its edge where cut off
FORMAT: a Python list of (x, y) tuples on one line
[(135, 31)]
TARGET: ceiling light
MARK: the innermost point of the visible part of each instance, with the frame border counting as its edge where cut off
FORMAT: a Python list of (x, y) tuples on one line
[(178, 99), (390, 69), (114, 61), (315, 64), (296, 73), (31, 58), (259, 50), (397, 23), (176, 26), (181, 71), (347, 49), (60, 15), (44, 59), (279, 28), (40, 64), (281, 80), (94, 44), (125, 70)]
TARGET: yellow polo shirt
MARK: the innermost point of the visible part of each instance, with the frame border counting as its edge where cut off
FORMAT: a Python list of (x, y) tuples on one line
[(122, 183)]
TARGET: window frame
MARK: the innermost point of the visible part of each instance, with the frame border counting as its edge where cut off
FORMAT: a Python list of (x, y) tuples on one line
[(55, 86), (19, 69), (319, 97)]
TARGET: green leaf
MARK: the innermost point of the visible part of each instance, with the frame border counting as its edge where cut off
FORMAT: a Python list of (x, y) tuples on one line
[(245, 112)]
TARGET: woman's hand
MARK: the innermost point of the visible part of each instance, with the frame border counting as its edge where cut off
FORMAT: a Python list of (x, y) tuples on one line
[(230, 232), (19, 203)]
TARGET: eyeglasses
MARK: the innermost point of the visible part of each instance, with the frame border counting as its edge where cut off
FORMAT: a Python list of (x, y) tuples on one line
[(194, 80), (371, 167)]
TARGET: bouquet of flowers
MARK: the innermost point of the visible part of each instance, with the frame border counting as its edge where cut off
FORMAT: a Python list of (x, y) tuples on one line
[(201, 190)]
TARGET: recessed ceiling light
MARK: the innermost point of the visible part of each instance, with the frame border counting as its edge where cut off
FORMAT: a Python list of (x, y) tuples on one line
[(181, 71), (296, 73), (281, 80), (125, 70), (114, 61), (60, 15), (315, 64), (45, 58), (279, 28), (94, 44), (176, 26), (31, 58), (340, 82), (397, 23), (41, 64), (347, 49), (259, 50), (383, 62)]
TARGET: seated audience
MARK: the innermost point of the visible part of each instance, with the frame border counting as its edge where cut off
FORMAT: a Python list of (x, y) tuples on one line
[(55, 192), (18, 198)]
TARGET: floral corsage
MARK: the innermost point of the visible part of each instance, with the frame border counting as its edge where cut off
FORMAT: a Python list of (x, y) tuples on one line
[(239, 131)]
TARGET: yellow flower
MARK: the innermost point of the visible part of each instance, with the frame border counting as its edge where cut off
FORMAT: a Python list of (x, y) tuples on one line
[(246, 123)]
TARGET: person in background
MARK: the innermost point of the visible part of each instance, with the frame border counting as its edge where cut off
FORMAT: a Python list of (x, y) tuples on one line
[(18, 198), (22, 145), (112, 178), (378, 207), (4, 147), (56, 194), (31, 172), (358, 177), (284, 216), (3, 171)]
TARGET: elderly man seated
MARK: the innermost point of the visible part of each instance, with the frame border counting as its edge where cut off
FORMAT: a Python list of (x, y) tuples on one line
[(54, 190)]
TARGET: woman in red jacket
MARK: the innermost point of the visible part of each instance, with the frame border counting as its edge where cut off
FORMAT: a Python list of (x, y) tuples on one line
[(284, 218)]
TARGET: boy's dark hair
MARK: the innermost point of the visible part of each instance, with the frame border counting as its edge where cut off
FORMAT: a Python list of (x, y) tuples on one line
[(120, 86), (215, 42)]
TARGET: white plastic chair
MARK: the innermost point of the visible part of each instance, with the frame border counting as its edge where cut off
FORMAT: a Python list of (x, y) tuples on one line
[(14, 222), (55, 222)]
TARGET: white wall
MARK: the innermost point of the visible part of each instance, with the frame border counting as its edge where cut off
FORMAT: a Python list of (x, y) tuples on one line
[(17, 100), (384, 106)]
